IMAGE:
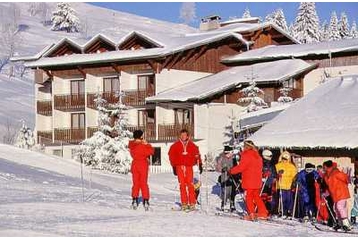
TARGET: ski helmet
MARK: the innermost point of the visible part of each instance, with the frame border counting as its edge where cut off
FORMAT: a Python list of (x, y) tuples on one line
[(267, 154)]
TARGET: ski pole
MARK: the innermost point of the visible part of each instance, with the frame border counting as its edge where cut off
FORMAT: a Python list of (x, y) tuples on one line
[(281, 196), (294, 202), (330, 211)]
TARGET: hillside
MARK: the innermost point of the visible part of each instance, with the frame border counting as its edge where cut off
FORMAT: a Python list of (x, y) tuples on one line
[(42, 195), (17, 95)]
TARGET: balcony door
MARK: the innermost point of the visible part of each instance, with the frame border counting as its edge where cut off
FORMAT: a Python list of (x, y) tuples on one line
[(77, 87), (183, 117), (78, 121), (146, 120), (146, 83), (111, 84)]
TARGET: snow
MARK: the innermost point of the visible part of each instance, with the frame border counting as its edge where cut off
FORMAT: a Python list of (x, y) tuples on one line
[(41, 195), (240, 20), (177, 44), (327, 117), (290, 51), (266, 72)]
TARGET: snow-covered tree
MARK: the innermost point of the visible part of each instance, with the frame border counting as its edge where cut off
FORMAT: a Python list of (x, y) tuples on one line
[(278, 18), (354, 32), (307, 23), (284, 98), (64, 18), (291, 30), (187, 12), (325, 31), (107, 149), (246, 13), (343, 26), (25, 137), (251, 96), (333, 28)]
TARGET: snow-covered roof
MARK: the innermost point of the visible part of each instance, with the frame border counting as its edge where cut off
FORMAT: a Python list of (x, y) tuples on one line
[(96, 37), (143, 35), (240, 20), (68, 40), (179, 44), (289, 51), (32, 57), (213, 84), (327, 117), (260, 117)]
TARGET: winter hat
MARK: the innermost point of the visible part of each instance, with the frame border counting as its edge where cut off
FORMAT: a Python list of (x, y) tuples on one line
[(309, 166), (286, 155), (227, 149), (137, 134), (249, 143), (267, 154)]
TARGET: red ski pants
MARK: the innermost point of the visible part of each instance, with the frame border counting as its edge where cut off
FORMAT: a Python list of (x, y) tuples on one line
[(140, 180), (253, 198), (185, 178)]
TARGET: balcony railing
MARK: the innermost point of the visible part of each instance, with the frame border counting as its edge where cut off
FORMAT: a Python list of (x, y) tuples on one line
[(170, 132), (44, 137), (131, 98), (44, 107), (70, 102), (70, 135), (294, 94), (149, 131)]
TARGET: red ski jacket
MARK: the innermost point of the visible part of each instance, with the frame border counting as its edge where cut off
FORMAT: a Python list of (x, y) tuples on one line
[(188, 155), (140, 151), (337, 182), (250, 167)]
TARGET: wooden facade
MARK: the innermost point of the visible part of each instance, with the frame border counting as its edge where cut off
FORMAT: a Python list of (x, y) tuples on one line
[(70, 135), (69, 102), (136, 42), (65, 48), (44, 107), (99, 46)]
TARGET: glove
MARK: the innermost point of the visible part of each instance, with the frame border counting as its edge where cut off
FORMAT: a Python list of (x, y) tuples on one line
[(266, 174), (174, 171), (281, 171), (200, 168)]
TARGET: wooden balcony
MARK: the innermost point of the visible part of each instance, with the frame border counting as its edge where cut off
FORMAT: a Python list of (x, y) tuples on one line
[(70, 135), (69, 102), (149, 131), (131, 98), (44, 107), (44, 137), (294, 94), (170, 132)]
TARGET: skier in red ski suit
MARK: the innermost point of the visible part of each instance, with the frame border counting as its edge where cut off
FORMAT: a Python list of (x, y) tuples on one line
[(250, 167), (140, 150), (183, 155)]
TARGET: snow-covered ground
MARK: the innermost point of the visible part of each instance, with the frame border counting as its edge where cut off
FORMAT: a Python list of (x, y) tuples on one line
[(42, 196)]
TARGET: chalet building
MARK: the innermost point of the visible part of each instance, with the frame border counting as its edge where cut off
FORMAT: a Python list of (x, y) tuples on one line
[(321, 126), (146, 68)]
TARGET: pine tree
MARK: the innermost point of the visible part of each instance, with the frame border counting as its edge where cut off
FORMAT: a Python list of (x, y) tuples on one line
[(291, 30), (325, 31), (277, 18), (25, 137), (284, 98), (354, 32), (307, 23), (343, 26), (251, 93), (246, 13), (107, 149), (64, 18), (333, 28)]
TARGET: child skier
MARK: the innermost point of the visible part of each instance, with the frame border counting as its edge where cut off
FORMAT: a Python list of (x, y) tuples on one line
[(269, 180), (337, 183), (286, 173), (224, 163), (307, 184)]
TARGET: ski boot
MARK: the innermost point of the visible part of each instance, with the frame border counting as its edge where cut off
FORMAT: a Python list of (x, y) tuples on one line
[(305, 219), (336, 226), (135, 203), (184, 207), (346, 225), (146, 204), (232, 207), (190, 208)]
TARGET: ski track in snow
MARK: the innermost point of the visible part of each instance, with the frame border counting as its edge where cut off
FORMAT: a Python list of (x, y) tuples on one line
[(41, 195)]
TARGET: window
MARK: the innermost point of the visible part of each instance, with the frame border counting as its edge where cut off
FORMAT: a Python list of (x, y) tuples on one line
[(111, 84), (183, 116), (155, 159), (147, 83), (146, 117), (78, 121), (77, 87), (289, 83)]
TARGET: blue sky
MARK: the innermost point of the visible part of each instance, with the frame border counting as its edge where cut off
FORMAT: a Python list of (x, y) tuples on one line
[(169, 11)]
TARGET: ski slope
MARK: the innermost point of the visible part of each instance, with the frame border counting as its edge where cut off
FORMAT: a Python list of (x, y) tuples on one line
[(42, 196)]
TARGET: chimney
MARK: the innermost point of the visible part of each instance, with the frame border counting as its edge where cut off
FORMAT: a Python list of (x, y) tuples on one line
[(211, 22)]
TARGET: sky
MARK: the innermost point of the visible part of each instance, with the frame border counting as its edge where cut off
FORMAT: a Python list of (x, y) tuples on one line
[(169, 11)]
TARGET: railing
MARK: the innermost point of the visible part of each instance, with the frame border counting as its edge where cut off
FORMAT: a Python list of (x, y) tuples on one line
[(149, 131), (171, 132), (91, 130), (70, 102), (44, 137), (294, 94), (131, 98), (70, 135), (44, 107)]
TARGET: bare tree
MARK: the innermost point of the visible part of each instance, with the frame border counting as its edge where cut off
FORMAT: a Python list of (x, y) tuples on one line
[(187, 12), (9, 132)]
